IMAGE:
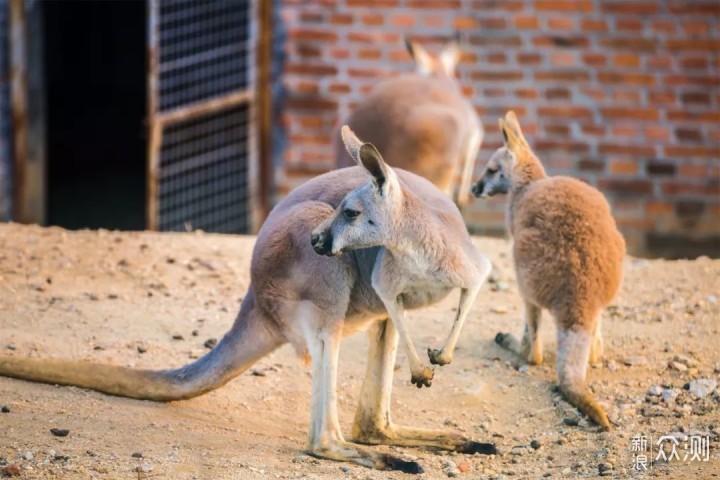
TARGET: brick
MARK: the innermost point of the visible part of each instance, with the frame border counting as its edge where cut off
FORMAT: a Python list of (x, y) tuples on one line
[(564, 5), (497, 58), (310, 69), (629, 25), (697, 7), (692, 62), (626, 60), (527, 93), (368, 53), (308, 50), (658, 207), (656, 132), (434, 4), (661, 98), (402, 20), (435, 21), (702, 44), (372, 3), (564, 59), (624, 130), (529, 58), (627, 97), (689, 208), (504, 5), (692, 151), (660, 168), (341, 19), (629, 7), (698, 171), (621, 167), (634, 44), (561, 23), (625, 186), (366, 72), (663, 26), (569, 75), (696, 27), (310, 103), (562, 130), (688, 135), (493, 23), (464, 23), (594, 59), (340, 53), (526, 22), (497, 76), (687, 188), (567, 112), (630, 113), (694, 116), (562, 41), (593, 25), (569, 146), (312, 17), (660, 62), (372, 19), (633, 150), (591, 165), (313, 34), (640, 79), (557, 93), (496, 41), (377, 37)]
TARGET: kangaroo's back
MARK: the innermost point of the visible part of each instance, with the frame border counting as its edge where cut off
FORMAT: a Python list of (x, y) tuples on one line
[(421, 122), (563, 229)]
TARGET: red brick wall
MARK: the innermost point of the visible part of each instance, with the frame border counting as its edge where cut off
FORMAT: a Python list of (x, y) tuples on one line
[(623, 94)]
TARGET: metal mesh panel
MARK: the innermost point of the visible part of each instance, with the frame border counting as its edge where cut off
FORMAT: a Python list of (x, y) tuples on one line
[(203, 49), (203, 173)]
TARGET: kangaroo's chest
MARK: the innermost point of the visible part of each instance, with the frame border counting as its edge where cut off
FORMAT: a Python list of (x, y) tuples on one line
[(419, 295)]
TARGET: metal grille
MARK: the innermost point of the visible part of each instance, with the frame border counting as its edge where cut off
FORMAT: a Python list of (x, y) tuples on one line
[(203, 47), (203, 173), (201, 145)]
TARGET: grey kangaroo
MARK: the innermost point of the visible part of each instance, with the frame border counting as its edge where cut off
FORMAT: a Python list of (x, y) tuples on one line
[(341, 253), (568, 257)]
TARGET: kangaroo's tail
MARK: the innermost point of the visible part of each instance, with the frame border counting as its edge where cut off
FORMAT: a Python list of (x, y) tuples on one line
[(250, 339), (572, 358)]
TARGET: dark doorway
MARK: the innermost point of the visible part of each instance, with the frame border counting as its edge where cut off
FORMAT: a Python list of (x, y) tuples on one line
[(95, 66)]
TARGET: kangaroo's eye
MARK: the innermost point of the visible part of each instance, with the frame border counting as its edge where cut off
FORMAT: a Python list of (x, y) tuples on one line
[(349, 213), (492, 171)]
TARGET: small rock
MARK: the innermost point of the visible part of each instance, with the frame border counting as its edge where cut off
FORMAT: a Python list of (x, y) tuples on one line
[(12, 470), (535, 444), (257, 373), (141, 349), (450, 469), (669, 394), (11, 346), (28, 456), (605, 469), (210, 343), (689, 362), (655, 391), (60, 432), (523, 369), (464, 466), (5, 409), (137, 455), (144, 468), (177, 336), (612, 366), (499, 310), (702, 387), (195, 333), (680, 367), (635, 360), (571, 421), (113, 296), (302, 458)]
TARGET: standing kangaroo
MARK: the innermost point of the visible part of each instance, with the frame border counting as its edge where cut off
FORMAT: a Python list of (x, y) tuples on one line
[(568, 258), (422, 122), (382, 244)]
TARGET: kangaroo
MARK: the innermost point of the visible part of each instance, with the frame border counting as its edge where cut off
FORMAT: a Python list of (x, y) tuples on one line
[(568, 257), (422, 122), (339, 254)]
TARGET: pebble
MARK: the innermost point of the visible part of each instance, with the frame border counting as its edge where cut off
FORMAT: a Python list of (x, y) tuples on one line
[(12, 470), (11, 346), (535, 444), (60, 432), (5, 409), (669, 394), (702, 387), (571, 421), (141, 349), (302, 458), (450, 469), (605, 469), (144, 468), (210, 343), (523, 369), (680, 367), (137, 455), (689, 362), (28, 456), (464, 466), (177, 336), (635, 360), (655, 391), (499, 309), (612, 366)]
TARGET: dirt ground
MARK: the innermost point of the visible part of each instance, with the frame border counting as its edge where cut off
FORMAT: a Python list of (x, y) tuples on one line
[(153, 300)]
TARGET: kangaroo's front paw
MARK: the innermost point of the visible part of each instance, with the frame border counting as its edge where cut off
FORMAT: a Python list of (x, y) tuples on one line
[(439, 357), (423, 378), (395, 463)]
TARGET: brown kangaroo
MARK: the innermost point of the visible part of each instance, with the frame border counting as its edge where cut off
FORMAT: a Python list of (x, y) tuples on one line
[(568, 256), (422, 122)]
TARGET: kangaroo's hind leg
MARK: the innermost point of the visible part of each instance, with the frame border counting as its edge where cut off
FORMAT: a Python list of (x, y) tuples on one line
[(373, 423), (530, 347)]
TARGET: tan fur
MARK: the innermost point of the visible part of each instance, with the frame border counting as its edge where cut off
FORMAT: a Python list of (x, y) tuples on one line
[(413, 254), (568, 256), (422, 123)]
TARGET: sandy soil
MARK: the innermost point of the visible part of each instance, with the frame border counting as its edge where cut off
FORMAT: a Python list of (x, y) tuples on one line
[(107, 296)]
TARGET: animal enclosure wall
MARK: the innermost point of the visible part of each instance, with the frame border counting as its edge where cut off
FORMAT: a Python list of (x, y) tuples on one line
[(622, 94)]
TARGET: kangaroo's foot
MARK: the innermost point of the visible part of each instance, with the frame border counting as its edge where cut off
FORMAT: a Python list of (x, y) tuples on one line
[(523, 348), (422, 377), (348, 452), (420, 437), (439, 357)]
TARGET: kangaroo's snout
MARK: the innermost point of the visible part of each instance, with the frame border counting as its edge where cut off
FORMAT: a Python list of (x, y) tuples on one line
[(477, 188), (321, 243)]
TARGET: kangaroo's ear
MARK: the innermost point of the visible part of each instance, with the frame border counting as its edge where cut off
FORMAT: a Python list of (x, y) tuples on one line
[(449, 57), (511, 140), (512, 121), (367, 156), (423, 60)]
